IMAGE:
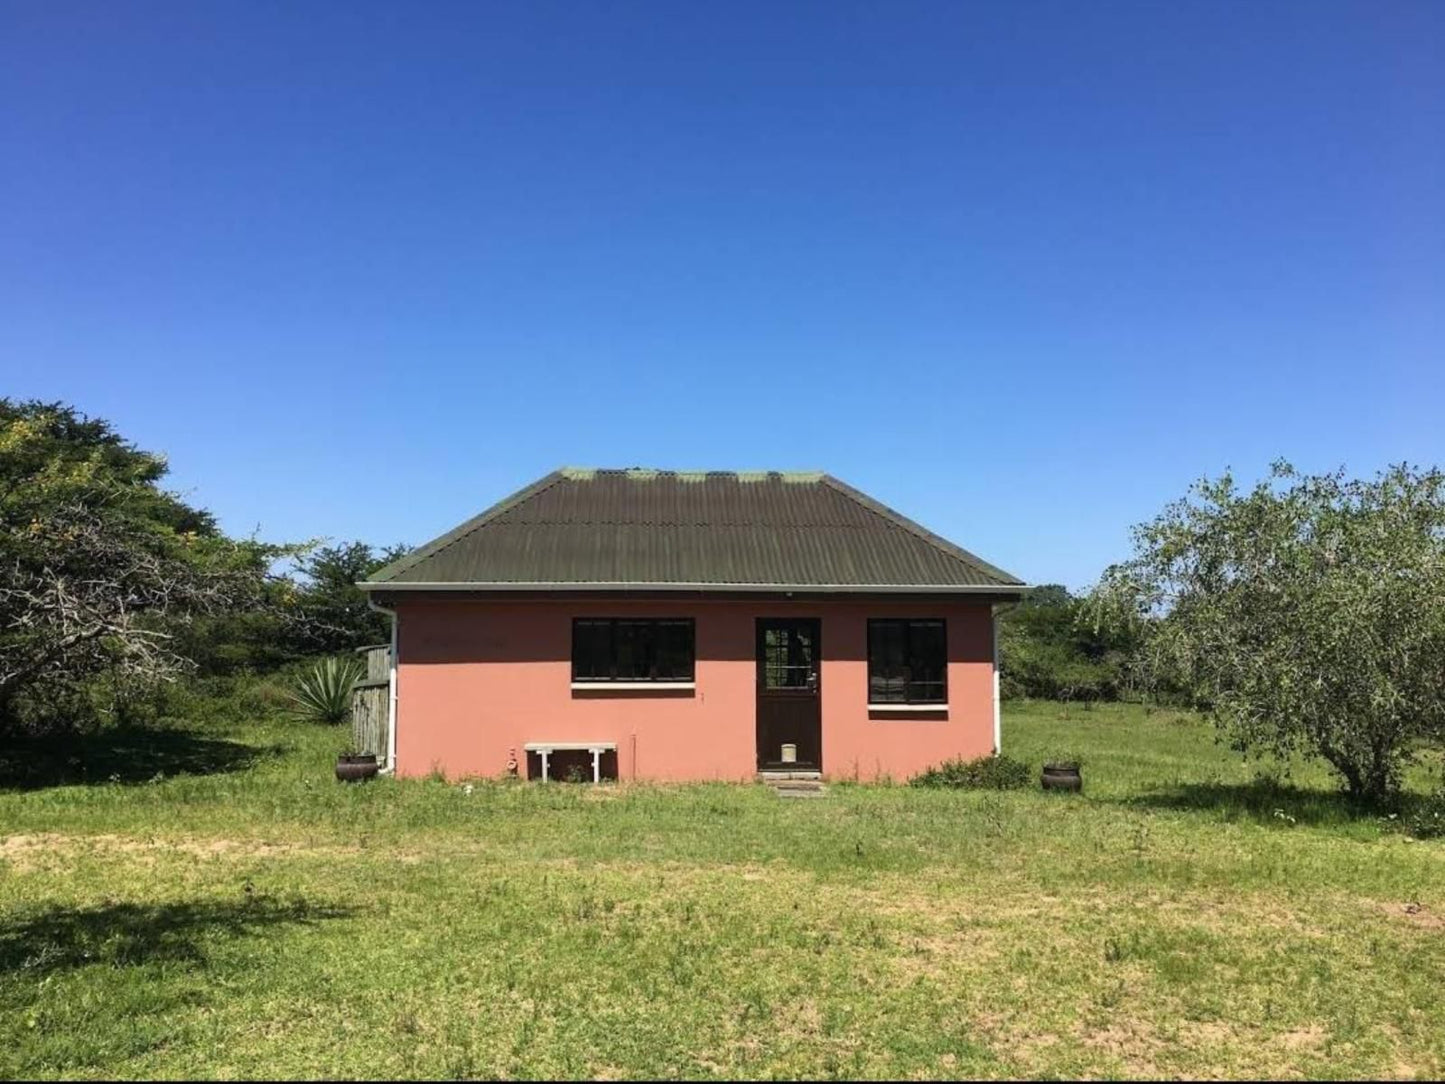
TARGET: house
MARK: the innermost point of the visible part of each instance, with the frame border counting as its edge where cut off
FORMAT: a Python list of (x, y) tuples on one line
[(646, 624)]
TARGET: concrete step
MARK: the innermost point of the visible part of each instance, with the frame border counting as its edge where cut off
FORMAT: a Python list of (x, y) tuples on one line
[(775, 776), (798, 788), (797, 792)]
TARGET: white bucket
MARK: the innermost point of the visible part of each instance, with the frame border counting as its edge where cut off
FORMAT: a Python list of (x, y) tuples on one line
[(790, 754)]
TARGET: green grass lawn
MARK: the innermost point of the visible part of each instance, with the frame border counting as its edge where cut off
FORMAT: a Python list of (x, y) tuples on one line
[(241, 914)]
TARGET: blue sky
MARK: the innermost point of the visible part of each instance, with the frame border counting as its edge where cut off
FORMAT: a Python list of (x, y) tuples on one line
[(1022, 270)]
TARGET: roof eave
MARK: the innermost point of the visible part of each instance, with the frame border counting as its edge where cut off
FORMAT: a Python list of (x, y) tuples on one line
[(729, 588)]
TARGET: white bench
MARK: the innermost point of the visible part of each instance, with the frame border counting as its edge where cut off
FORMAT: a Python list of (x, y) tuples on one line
[(545, 749)]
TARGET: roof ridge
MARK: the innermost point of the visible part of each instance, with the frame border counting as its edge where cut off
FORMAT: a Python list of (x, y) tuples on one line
[(641, 473), (940, 543), (456, 534)]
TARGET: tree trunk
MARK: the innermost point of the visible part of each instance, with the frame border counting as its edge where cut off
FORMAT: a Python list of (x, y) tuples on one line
[(1369, 783)]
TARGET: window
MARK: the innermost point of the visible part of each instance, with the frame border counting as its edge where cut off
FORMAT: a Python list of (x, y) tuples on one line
[(788, 655), (907, 662), (632, 649)]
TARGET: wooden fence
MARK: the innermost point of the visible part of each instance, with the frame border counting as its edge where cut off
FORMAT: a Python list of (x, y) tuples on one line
[(370, 702)]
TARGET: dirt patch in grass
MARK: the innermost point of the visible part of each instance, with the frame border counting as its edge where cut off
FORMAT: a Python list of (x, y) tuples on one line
[(1309, 1038), (1412, 912), (1146, 1050), (937, 957), (1132, 1044)]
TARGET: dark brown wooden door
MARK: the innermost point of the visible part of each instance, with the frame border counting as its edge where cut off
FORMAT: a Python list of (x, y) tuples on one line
[(789, 692)]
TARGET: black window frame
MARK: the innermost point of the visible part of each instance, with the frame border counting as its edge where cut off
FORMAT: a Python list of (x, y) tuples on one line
[(639, 634), (909, 686)]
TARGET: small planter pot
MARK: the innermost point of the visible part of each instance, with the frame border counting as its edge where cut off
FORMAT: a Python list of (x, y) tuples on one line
[(356, 769), (1062, 777)]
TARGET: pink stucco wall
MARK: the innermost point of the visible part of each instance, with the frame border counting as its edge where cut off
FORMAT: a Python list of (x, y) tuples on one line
[(476, 679)]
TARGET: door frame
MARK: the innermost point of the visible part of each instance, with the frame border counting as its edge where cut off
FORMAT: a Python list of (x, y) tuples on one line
[(812, 695)]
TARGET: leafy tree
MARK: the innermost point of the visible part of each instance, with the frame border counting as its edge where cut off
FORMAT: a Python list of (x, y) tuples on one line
[(1307, 614), (315, 609), (99, 565), (328, 612), (1048, 649)]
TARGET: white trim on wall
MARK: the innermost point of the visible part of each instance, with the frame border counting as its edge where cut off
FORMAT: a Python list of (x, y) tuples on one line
[(997, 714), (633, 686)]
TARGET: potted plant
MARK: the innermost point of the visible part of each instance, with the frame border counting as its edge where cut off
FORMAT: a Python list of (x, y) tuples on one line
[(353, 767), (1063, 773)]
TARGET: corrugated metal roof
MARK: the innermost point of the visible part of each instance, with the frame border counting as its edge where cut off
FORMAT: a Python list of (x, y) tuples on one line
[(708, 528)]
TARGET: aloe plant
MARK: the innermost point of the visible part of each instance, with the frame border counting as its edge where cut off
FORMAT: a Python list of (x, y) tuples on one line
[(323, 693)]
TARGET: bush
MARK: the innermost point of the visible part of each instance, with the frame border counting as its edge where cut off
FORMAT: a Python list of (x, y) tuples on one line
[(981, 773), (323, 693), (1427, 820)]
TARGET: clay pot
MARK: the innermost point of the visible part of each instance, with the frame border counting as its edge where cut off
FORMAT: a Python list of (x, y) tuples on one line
[(356, 768), (1062, 777)]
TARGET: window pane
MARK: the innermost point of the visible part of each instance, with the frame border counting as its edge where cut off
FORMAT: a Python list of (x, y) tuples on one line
[(886, 690), (801, 647), (775, 656), (887, 681), (799, 667), (591, 650), (927, 663), (633, 650), (673, 651), (787, 656)]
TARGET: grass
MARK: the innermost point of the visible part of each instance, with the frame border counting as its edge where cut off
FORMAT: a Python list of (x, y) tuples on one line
[(209, 902)]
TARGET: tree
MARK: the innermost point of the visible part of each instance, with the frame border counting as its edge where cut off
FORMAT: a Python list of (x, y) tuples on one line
[(327, 612), (1306, 615), (1049, 648), (314, 609), (98, 564)]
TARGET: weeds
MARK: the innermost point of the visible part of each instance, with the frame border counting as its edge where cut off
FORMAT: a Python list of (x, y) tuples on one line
[(981, 773)]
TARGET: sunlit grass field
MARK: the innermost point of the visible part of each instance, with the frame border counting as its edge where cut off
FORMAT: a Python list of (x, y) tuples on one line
[(212, 903)]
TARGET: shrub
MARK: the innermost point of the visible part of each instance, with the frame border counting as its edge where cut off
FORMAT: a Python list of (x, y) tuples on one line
[(1427, 820), (981, 773), (323, 693)]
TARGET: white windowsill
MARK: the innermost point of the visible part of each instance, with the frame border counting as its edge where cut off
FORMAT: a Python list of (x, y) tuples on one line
[(633, 686), (907, 707), (556, 746)]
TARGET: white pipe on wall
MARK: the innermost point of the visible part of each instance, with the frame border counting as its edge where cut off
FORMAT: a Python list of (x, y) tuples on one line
[(998, 608), (997, 713)]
